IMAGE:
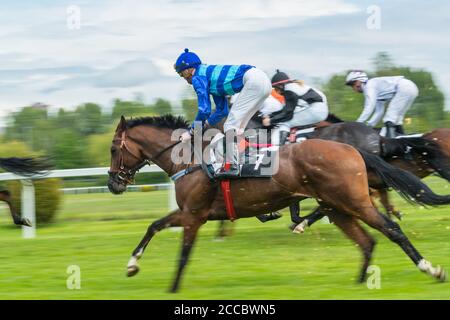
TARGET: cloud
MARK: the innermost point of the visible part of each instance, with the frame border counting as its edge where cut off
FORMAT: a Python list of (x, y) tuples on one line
[(126, 75), (127, 47)]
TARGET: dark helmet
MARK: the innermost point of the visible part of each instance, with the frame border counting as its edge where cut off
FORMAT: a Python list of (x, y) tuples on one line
[(279, 78)]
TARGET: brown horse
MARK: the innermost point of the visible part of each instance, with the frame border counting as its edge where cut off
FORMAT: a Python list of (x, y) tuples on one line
[(25, 167), (421, 156), (331, 172)]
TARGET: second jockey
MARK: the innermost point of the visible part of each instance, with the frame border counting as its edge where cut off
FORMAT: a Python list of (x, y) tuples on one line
[(304, 106)]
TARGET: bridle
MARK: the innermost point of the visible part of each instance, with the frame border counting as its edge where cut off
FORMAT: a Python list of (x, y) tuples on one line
[(127, 176)]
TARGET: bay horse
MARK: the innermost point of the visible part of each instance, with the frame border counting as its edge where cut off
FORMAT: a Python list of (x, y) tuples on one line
[(24, 167), (422, 156), (333, 173)]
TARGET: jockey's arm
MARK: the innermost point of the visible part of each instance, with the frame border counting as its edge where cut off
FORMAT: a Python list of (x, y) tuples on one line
[(204, 103), (377, 115), (370, 102), (221, 110), (287, 112)]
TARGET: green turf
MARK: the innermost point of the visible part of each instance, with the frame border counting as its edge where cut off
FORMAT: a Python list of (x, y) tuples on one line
[(98, 232)]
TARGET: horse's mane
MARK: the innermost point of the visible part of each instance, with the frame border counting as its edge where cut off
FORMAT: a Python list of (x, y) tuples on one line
[(166, 121)]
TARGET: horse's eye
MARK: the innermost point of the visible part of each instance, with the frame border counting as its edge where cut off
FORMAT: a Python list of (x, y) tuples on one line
[(113, 150)]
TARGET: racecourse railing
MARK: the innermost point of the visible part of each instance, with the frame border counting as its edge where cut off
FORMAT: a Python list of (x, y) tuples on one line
[(28, 195)]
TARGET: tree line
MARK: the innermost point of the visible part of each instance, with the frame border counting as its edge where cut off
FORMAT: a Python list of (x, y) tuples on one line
[(82, 137)]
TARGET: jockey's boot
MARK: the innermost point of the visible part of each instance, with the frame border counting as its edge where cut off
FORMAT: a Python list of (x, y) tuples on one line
[(284, 135), (399, 129), (231, 157), (391, 131)]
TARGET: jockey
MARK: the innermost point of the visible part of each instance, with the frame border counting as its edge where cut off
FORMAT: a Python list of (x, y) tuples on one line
[(400, 91), (304, 105), (221, 81)]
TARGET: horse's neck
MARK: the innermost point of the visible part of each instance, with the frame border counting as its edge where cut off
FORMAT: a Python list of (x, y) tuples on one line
[(153, 144)]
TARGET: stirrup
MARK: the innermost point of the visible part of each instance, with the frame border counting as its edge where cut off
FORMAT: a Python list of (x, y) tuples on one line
[(232, 172)]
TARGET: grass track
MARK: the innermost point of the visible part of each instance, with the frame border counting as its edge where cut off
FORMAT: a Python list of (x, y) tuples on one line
[(260, 261)]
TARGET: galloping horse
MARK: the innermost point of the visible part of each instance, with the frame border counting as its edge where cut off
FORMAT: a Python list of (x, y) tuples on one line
[(23, 167), (331, 172), (421, 156)]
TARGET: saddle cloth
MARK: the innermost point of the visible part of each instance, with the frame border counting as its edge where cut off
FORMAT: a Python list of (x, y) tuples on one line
[(255, 160)]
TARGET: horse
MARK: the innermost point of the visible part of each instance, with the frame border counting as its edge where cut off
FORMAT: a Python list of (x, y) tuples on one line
[(331, 172), (24, 167), (421, 156)]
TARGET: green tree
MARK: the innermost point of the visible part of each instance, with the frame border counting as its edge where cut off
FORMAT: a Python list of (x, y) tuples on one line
[(382, 61), (89, 119), (162, 107), (69, 149), (24, 123), (15, 148), (129, 109), (190, 109), (98, 149)]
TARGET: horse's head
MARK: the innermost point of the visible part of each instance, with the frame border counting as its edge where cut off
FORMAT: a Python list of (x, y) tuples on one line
[(126, 159)]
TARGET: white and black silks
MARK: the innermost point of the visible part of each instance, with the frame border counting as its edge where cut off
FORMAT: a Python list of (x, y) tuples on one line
[(296, 96)]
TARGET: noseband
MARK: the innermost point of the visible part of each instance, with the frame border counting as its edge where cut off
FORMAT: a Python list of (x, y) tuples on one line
[(127, 176)]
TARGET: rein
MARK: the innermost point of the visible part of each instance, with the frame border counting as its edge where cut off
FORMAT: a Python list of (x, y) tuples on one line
[(128, 175)]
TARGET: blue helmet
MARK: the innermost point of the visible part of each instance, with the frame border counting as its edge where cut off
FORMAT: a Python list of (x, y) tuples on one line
[(187, 60)]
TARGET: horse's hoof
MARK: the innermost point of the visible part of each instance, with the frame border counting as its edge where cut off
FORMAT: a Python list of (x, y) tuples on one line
[(132, 270), (440, 274), (298, 229)]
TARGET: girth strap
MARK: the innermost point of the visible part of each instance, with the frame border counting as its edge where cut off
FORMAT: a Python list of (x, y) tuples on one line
[(184, 172), (225, 185)]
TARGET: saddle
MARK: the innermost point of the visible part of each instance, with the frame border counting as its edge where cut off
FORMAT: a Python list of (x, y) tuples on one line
[(255, 160), (301, 133)]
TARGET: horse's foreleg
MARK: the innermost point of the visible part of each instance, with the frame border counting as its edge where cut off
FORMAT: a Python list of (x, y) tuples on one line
[(171, 220), (189, 236), (309, 220), (294, 210), (350, 226), (18, 220)]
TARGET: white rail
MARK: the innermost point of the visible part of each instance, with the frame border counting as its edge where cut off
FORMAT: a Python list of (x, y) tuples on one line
[(28, 195)]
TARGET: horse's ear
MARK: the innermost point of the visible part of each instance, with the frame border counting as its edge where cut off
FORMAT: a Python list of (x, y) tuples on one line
[(122, 124)]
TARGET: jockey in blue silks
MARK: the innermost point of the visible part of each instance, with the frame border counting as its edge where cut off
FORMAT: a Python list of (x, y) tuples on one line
[(221, 81)]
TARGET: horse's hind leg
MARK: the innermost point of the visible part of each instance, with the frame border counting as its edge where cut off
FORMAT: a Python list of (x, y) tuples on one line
[(390, 209), (392, 230), (18, 220), (350, 226), (171, 220)]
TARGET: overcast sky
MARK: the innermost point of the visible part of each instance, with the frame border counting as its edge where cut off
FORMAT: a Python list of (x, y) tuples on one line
[(122, 48)]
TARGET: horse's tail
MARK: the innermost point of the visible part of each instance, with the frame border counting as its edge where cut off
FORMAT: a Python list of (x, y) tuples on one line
[(405, 183), (25, 166), (428, 150)]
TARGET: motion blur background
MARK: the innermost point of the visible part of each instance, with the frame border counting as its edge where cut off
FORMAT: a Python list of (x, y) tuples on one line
[(70, 69)]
